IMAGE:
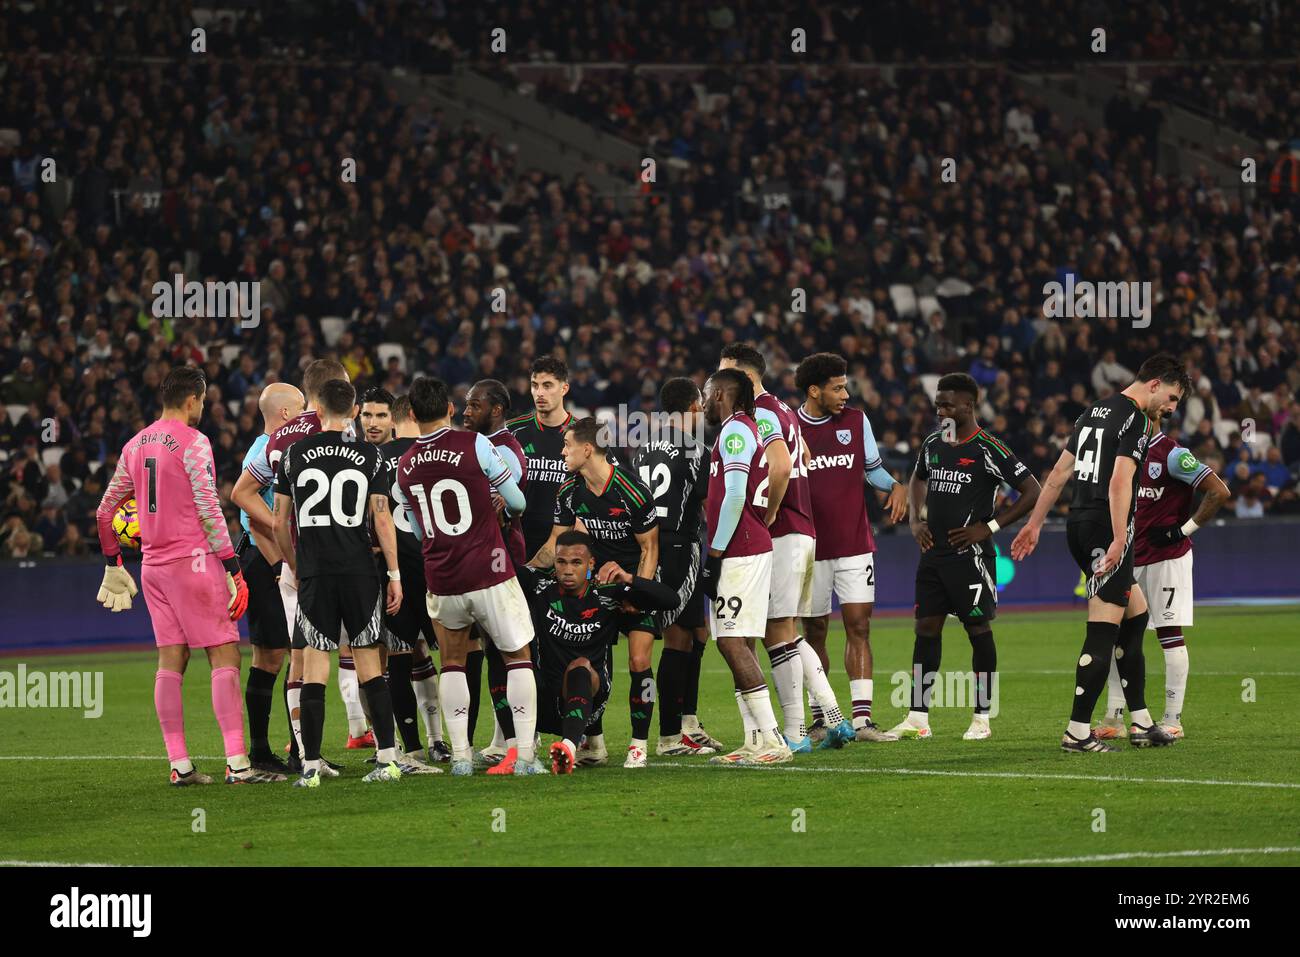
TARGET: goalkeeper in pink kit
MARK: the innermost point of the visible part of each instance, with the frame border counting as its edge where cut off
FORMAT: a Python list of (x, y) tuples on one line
[(193, 587)]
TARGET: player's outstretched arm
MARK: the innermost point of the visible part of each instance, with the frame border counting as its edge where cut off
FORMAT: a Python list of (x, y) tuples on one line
[(646, 594), (1025, 542), (387, 535)]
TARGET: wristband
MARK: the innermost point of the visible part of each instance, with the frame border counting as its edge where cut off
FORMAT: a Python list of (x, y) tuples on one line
[(394, 576), (1189, 526), (993, 525)]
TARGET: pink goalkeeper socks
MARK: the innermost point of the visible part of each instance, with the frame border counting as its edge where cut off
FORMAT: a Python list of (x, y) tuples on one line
[(171, 715), (228, 707)]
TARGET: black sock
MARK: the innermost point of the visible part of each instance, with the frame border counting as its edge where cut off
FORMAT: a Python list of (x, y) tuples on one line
[(672, 677), (1093, 668), (577, 704), (311, 714), (380, 703), (984, 662), (691, 679), (474, 677), (402, 694), (496, 669), (1132, 665), (641, 702), (258, 695), (927, 651)]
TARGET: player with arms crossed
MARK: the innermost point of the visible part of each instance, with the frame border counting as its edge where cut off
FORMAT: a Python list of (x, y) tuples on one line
[(738, 570), (1162, 565), (576, 615), (672, 468), (540, 434), (193, 600), (783, 496), (268, 632), (958, 473), (836, 436), (486, 406), (1103, 454), (326, 481), (446, 480), (260, 473), (617, 511)]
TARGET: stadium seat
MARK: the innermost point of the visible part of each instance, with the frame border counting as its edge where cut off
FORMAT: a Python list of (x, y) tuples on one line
[(1224, 430), (930, 383), (15, 413), (388, 350), (331, 328), (51, 454), (229, 354), (904, 299)]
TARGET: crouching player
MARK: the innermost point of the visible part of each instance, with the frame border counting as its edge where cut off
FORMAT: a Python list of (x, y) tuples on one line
[(576, 613)]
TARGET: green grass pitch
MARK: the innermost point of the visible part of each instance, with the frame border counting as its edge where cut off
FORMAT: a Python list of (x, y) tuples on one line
[(79, 790)]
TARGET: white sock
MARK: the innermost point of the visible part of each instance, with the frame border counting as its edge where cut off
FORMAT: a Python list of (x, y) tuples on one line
[(426, 699), (1175, 683), (498, 739), (453, 690), (787, 675), (183, 766), (595, 742), (386, 756), (521, 693), (1114, 695), (350, 692), (1142, 718), (746, 717), (690, 723), (918, 719), (860, 692), (1079, 729), (311, 766), (238, 762), (759, 703), (819, 688), (294, 696), (638, 743)]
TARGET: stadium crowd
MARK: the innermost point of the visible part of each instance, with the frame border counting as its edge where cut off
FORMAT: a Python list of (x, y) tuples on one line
[(229, 169)]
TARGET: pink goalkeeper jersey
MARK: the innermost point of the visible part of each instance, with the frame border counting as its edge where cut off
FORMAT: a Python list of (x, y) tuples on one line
[(168, 468)]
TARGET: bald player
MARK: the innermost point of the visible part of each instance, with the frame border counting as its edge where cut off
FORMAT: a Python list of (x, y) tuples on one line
[(259, 557)]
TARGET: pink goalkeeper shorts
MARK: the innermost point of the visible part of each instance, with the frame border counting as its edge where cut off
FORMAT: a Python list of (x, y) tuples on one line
[(189, 606)]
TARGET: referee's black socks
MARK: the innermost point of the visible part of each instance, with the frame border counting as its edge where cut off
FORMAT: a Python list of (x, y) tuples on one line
[(259, 694), (1092, 669)]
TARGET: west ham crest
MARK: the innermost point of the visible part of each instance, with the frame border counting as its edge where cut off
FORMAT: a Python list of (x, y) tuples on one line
[(844, 435), (1154, 469)]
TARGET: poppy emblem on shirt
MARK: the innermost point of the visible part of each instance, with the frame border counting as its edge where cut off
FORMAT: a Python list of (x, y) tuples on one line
[(844, 435)]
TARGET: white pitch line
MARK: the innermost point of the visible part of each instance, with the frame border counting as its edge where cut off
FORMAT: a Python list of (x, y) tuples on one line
[(53, 864), (1014, 775), (1129, 856)]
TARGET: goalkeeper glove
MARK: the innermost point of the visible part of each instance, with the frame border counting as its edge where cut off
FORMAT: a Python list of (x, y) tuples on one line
[(117, 587), (238, 589), (712, 572), (1163, 535)]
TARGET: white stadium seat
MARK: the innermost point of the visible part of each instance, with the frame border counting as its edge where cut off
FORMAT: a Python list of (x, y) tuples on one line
[(331, 327), (904, 300), (387, 350)]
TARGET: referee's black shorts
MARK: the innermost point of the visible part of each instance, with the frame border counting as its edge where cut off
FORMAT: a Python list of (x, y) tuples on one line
[(267, 627), (679, 569), (1089, 538)]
